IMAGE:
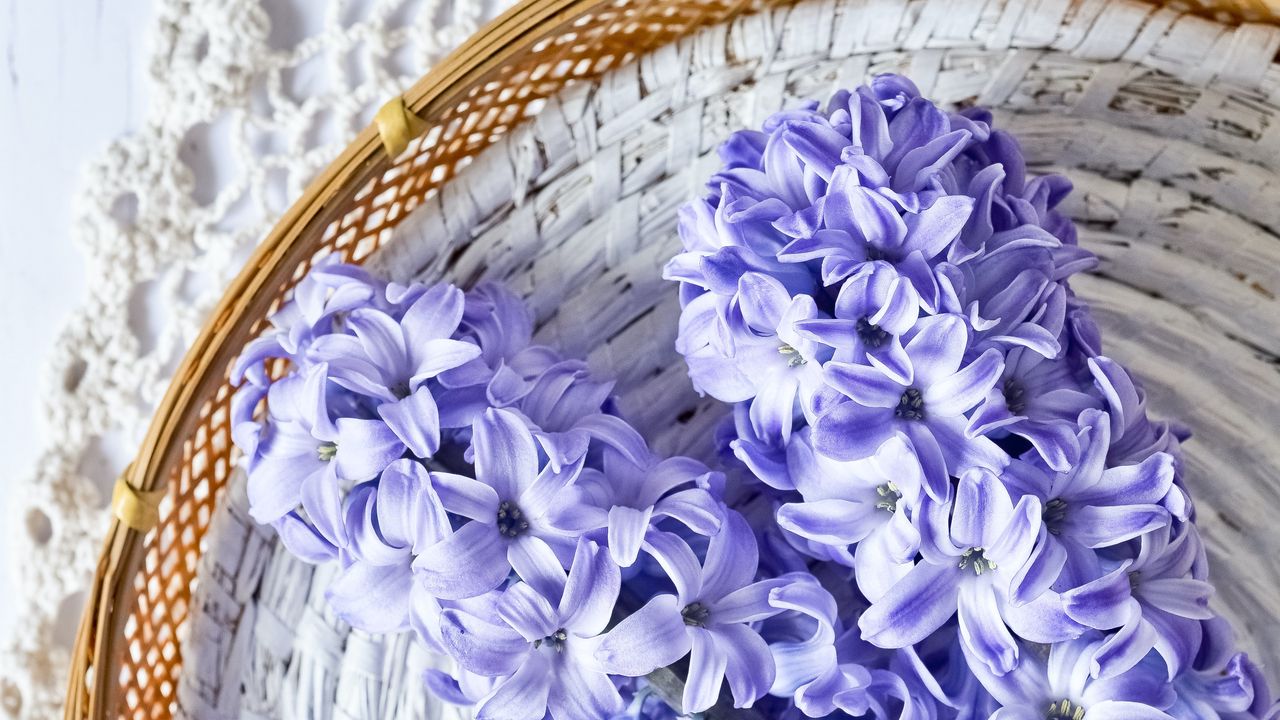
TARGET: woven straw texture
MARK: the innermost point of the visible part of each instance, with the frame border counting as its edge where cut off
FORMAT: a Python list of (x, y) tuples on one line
[(1164, 121)]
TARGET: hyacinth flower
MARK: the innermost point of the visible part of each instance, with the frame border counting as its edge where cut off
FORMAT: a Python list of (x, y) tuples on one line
[(1091, 506), (1040, 400), (388, 523), (303, 454), (752, 351), (971, 549), (328, 292), (1060, 687), (825, 669), (860, 224), (707, 618), (1151, 601), (505, 508), (542, 643), (873, 310), (728, 235), (390, 361), (1013, 298), (1222, 683), (929, 410), (627, 499), (1134, 435), (860, 513)]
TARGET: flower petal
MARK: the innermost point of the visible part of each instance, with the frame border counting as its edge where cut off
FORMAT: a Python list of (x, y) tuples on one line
[(956, 394), (372, 598), (469, 562), (916, 606), (983, 628), (523, 696), (415, 420), (480, 646), (506, 458), (750, 667), (707, 664), (652, 637), (528, 612), (582, 691), (627, 528)]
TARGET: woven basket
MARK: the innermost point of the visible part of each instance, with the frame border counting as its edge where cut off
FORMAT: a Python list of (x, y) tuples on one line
[(555, 148)]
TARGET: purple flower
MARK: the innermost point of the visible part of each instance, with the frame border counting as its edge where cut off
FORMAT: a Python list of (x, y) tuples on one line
[(505, 507), (929, 410), (1040, 400), (860, 513), (826, 669), (750, 350), (1222, 684), (1062, 683), (303, 453), (874, 309), (707, 619), (390, 361), (628, 499), (1134, 436), (971, 549), (1151, 601), (542, 643), (1091, 506), (388, 522)]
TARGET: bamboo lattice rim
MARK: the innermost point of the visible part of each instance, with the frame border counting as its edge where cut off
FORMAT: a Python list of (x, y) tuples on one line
[(201, 378)]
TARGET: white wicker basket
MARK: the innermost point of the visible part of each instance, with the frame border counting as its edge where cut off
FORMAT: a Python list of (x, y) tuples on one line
[(1167, 124)]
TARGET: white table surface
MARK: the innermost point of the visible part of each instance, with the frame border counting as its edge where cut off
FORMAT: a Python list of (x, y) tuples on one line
[(74, 77)]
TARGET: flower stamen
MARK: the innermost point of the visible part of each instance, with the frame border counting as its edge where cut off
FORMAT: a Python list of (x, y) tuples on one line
[(326, 451), (511, 521), (975, 559), (871, 335), (695, 614), (1055, 513), (889, 497), (1015, 396), (1064, 710), (555, 640), (910, 405), (793, 356)]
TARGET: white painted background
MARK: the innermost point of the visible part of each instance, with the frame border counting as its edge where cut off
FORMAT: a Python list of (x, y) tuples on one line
[(73, 76)]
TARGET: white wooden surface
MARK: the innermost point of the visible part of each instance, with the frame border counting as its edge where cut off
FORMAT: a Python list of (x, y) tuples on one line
[(72, 78)]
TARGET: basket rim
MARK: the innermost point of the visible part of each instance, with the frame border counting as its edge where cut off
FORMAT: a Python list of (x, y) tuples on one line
[(243, 304)]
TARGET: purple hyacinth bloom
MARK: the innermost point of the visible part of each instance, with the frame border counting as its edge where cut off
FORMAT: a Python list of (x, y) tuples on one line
[(1040, 400), (542, 642), (506, 507), (388, 523), (1091, 506), (328, 292), (1062, 683), (628, 499), (1222, 684), (566, 409), (752, 351), (859, 224), (873, 310), (303, 453), (929, 410), (825, 669), (707, 619), (971, 550), (869, 503), (1151, 601), (390, 361), (1134, 435)]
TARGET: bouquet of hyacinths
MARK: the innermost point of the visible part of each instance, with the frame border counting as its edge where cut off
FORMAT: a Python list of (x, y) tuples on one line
[(935, 497)]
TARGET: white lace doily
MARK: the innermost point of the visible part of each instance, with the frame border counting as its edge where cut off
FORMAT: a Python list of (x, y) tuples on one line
[(249, 99)]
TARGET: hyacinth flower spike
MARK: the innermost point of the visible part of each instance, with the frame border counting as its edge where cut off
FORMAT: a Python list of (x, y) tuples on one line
[(505, 507)]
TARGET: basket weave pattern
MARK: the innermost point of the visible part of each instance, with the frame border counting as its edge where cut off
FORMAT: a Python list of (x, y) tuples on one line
[(611, 159)]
